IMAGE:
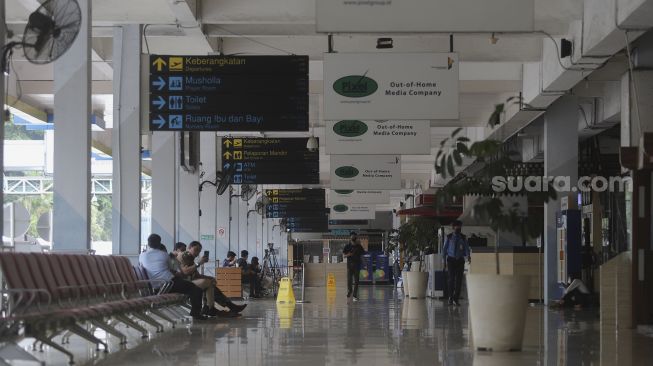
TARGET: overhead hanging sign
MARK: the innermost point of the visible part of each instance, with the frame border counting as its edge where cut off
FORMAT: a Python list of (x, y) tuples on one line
[(378, 137), (365, 172), (384, 16), (379, 86), (308, 224), (303, 210), (270, 160), (358, 196), (228, 93), (286, 203), (343, 211)]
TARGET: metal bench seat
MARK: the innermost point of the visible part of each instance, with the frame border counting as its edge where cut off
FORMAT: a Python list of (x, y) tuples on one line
[(48, 294)]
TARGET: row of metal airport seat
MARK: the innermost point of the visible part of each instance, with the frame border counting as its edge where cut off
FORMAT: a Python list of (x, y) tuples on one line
[(46, 295)]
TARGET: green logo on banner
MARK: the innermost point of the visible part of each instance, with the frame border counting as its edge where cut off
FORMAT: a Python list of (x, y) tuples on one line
[(346, 172), (350, 128), (344, 191), (340, 208), (355, 86)]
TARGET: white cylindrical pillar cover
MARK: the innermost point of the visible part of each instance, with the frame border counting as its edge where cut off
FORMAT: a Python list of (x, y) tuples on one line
[(72, 141)]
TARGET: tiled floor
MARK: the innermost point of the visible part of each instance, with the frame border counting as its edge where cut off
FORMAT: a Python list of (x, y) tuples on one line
[(381, 329)]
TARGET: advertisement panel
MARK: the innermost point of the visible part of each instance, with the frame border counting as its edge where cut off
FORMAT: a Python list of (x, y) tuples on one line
[(411, 137), (365, 171), (358, 196), (378, 86), (384, 16)]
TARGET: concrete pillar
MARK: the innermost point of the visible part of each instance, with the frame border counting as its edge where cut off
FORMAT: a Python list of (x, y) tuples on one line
[(188, 206), (560, 159), (72, 141), (208, 197), (164, 185), (126, 140), (222, 224), (2, 123)]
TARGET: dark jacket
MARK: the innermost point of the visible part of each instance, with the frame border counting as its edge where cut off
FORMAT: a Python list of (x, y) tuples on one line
[(357, 251)]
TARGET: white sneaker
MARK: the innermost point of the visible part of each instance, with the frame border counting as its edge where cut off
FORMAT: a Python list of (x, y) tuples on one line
[(355, 299)]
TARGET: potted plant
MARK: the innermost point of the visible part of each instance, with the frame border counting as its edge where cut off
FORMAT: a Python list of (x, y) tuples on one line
[(417, 235), (498, 302)]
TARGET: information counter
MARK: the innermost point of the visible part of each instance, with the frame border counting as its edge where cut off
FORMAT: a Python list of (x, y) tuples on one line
[(516, 260)]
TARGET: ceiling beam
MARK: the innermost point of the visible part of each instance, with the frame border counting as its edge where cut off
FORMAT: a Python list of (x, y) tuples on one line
[(185, 12)]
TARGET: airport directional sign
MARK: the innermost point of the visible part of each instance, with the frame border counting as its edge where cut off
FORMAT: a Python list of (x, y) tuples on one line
[(270, 161), (228, 93), (304, 210), (229, 65)]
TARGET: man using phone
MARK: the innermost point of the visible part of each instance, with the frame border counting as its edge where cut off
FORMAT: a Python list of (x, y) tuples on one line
[(207, 283)]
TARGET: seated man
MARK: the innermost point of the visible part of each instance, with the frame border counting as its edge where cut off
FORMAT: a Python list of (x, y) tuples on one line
[(576, 294), (213, 294), (249, 276), (174, 255), (256, 268), (230, 261), (155, 260)]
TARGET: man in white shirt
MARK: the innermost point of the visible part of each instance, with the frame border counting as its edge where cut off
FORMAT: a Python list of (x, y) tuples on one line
[(156, 262)]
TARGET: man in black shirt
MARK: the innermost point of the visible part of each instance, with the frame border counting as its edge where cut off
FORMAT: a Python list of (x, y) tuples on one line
[(353, 252), (249, 276)]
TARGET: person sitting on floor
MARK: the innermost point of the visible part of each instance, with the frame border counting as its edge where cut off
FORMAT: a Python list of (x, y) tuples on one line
[(213, 294), (576, 295), (230, 261), (255, 267), (249, 275)]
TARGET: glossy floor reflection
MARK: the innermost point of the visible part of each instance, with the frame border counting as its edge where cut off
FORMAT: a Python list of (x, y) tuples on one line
[(382, 329)]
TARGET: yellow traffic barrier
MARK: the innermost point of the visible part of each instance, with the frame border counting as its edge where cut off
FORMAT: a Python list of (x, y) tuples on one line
[(285, 295), (331, 281)]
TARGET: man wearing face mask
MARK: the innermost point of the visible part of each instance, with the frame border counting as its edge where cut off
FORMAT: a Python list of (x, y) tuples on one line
[(456, 249)]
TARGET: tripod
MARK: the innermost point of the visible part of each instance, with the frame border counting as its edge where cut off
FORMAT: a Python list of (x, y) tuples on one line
[(271, 267)]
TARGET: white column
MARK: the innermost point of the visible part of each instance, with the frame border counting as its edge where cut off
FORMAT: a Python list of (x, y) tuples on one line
[(72, 141), (222, 225), (560, 159), (208, 197), (2, 123), (222, 212), (126, 140), (188, 206), (164, 185)]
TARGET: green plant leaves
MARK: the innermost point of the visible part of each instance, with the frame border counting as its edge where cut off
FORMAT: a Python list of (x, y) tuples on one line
[(450, 168)]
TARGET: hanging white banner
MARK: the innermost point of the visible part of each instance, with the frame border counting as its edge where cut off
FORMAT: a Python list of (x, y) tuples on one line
[(343, 211), (378, 86), (358, 196), (384, 16), (365, 172), (378, 137)]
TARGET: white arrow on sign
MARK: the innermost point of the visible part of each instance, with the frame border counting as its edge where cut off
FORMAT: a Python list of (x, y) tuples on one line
[(159, 122), (159, 103), (160, 83)]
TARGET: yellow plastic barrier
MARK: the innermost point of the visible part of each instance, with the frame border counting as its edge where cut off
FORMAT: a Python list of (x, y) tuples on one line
[(331, 281), (285, 295), (285, 312)]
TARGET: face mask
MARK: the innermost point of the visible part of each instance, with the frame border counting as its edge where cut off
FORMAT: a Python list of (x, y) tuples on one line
[(458, 230)]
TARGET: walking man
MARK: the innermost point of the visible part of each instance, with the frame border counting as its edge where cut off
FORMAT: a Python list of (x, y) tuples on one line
[(456, 249), (353, 252)]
